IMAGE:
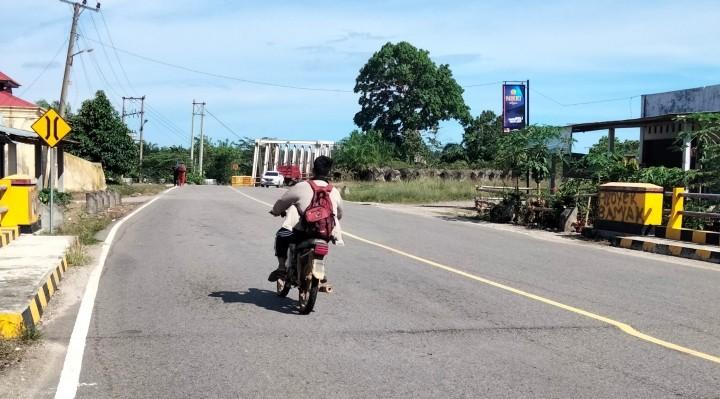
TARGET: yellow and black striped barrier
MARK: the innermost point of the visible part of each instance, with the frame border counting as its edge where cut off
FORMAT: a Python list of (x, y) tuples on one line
[(12, 325)]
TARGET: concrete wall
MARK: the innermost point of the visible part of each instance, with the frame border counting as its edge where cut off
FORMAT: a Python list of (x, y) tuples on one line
[(701, 99), (82, 175), (20, 117)]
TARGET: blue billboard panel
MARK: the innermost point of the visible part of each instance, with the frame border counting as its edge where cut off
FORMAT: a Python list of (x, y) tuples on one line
[(514, 103)]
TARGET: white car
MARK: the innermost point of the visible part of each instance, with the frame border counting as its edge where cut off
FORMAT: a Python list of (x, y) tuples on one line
[(272, 178)]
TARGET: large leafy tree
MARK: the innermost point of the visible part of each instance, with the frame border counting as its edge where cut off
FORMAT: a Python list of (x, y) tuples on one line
[(481, 136), (102, 137), (453, 153), (404, 94)]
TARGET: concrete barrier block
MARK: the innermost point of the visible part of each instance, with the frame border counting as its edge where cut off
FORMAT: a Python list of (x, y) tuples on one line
[(106, 196), (91, 205), (102, 203)]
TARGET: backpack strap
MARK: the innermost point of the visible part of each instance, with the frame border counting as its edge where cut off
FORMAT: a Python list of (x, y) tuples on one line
[(317, 189)]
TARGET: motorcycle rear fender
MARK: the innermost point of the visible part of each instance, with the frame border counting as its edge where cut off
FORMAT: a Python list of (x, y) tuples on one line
[(318, 270)]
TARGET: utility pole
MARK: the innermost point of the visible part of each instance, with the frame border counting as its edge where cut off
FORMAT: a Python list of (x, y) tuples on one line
[(198, 109), (142, 124), (192, 137), (77, 9), (202, 140), (141, 113)]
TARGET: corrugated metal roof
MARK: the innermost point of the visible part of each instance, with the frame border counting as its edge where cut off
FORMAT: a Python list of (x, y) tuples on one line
[(8, 100), (25, 136), (623, 123), (10, 80)]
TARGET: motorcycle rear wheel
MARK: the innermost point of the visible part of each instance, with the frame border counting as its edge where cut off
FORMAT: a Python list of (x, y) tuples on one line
[(307, 296), (283, 287)]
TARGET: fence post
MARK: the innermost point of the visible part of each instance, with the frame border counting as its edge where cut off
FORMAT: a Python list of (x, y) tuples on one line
[(675, 222)]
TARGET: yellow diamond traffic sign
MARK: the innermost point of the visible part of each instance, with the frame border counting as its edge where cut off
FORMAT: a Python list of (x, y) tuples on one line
[(51, 128)]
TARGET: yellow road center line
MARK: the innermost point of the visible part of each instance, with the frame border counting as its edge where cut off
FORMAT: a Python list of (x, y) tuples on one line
[(626, 328)]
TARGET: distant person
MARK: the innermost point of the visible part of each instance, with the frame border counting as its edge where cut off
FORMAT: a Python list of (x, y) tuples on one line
[(182, 173)]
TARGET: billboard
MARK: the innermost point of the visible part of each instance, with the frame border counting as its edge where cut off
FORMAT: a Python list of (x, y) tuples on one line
[(514, 105)]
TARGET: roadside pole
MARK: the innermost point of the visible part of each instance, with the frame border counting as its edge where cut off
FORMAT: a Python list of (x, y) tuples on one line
[(77, 8)]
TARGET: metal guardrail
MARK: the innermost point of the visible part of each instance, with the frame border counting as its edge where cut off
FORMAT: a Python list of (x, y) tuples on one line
[(678, 209), (705, 215), (696, 195)]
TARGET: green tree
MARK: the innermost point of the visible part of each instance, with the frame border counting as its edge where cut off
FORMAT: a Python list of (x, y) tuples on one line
[(619, 165), (361, 150), (528, 151), (705, 136), (222, 154), (158, 162), (622, 148), (404, 95), (453, 153), (42, 103), (102, 137), (481, 136)]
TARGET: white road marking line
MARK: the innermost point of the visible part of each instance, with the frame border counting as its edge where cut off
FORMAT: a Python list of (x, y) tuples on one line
[(70, 375), (626, 328)]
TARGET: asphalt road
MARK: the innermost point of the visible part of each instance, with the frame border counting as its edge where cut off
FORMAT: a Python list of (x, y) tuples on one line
[(184, 310)]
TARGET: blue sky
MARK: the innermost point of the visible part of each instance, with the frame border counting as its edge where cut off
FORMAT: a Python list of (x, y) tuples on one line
[(572, 51)]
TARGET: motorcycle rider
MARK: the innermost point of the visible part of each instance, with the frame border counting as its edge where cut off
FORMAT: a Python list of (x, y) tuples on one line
[(300, 196)]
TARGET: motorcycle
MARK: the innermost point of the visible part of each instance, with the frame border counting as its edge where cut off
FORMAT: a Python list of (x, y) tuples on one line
[(306, 271)]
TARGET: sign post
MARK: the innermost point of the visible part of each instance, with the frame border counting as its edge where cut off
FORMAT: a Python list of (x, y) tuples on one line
[(51, 128)]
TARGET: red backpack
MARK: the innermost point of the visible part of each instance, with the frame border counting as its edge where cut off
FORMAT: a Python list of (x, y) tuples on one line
[(319, 219)]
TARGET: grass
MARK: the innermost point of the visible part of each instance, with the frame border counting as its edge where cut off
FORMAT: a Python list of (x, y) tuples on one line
[(77, 255), (85, 227), (421, 191), (127, 190)]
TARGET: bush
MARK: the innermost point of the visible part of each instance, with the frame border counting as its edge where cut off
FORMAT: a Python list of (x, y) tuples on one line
[(195, 178), (60, 198)]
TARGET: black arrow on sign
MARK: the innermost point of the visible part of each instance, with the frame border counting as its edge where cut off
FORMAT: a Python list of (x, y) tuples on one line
[(47, 131)]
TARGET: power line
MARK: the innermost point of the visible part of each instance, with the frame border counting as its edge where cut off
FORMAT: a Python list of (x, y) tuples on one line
[(482, 84), (221, 76), (117, 56), (162, 119), (223, 124), (110, 87), (105, 53), (608, 100), (47, 66)]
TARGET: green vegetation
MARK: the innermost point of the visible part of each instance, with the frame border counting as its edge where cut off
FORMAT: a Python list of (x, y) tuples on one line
[(412, 192), (85, 227), (59, 198), (127, 190), (102, 137), (404, 95), (77, 255)]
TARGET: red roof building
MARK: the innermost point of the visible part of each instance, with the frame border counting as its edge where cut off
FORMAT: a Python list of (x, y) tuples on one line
[(7, 99)]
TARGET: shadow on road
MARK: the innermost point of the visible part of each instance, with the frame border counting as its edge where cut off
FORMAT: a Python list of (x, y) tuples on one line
[(258, 297)]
